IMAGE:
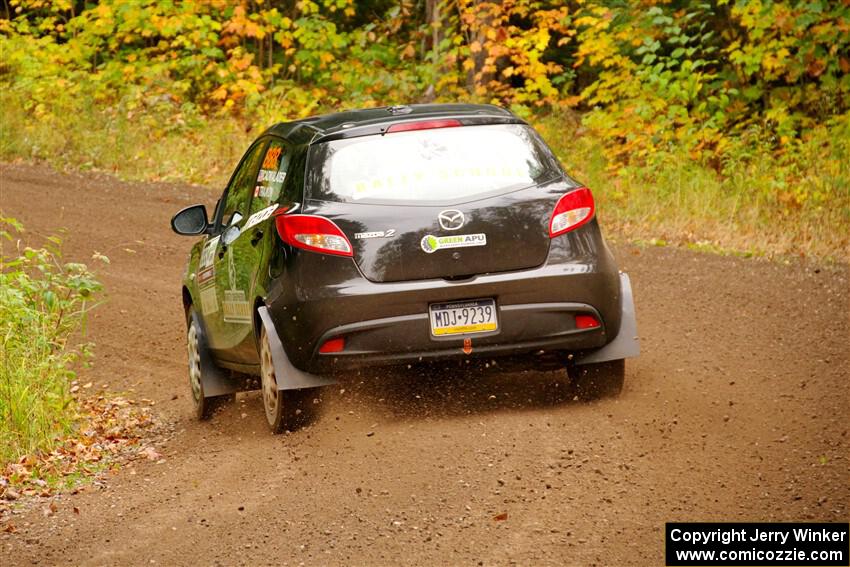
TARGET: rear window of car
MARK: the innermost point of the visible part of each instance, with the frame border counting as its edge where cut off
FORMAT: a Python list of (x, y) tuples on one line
[(442, 164)]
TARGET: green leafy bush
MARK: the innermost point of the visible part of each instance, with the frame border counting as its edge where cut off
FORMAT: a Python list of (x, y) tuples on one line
[(707, 78), (43, 305)]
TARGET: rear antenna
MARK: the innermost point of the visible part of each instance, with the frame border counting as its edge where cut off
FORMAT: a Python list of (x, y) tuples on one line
[(399, 109)]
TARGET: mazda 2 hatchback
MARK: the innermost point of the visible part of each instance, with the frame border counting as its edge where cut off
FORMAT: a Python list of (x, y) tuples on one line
[(392, 236)]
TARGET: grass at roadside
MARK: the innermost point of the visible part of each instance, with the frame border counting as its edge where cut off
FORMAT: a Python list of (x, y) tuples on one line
[(155, 145), (55, 431), (43, 302), (761, 204), (758, 206)]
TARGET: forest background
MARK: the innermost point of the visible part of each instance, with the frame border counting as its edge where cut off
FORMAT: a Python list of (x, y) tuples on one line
[(722, 126)]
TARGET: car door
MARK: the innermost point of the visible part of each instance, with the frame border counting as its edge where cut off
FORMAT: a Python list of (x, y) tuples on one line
[(231, 319), (249, 252)]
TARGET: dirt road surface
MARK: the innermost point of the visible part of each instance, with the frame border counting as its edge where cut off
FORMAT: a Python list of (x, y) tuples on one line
[(737, 410)]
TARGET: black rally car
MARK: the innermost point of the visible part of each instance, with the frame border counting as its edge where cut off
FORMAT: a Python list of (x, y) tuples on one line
[(398, 235)]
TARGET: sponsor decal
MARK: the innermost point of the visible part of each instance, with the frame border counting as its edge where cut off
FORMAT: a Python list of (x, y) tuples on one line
[(431, 244), (375, 234), (271, 175), (272, 159), (259, 216), (266, 191), (208, 253), (206, 276), (209, 301), (236, 308)]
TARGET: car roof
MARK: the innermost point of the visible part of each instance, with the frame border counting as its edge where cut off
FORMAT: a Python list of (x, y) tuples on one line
[(366, 121)]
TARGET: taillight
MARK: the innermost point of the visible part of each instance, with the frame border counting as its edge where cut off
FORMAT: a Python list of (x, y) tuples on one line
[(586, 322), (573, 210), (310, 232), (333, 345), (424, 125)]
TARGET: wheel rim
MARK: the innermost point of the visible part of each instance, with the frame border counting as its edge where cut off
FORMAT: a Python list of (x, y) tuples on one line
[(270, 397), (194, 363)]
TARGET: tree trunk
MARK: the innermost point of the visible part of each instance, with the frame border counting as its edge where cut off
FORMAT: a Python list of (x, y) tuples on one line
[(433, 15)]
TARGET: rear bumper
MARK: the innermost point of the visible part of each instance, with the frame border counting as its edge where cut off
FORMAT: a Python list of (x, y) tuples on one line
[(523, 328), (319, 297)]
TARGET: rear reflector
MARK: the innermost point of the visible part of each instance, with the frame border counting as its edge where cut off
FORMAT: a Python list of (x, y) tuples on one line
[(573, 210), (586, 322), (314, 233), (424, 125), (333, 345)]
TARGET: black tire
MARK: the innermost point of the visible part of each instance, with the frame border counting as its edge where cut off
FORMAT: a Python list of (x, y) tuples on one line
[(601, 380), (203, 406), (286, 410)]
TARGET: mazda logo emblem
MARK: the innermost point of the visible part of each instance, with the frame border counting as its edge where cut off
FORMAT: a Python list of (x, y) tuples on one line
[(451, 219)]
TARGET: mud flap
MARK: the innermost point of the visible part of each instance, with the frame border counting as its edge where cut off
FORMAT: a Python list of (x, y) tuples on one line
[(288, 377), (625, 344), (216, 381)]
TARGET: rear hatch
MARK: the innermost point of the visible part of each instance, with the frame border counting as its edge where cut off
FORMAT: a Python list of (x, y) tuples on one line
[(397, 243), (439, 203)]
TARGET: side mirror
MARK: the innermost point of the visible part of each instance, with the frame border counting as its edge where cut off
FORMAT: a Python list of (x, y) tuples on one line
[(191, 221)]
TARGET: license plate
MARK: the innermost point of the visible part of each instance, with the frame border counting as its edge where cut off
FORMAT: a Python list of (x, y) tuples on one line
[(463, 317)]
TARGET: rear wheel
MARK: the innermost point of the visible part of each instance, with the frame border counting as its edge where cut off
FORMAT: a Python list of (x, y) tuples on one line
[(203, 405), (601, 380), (285, 409)]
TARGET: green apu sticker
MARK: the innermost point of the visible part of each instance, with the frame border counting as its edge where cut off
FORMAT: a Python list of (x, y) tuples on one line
[(433, 243)]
